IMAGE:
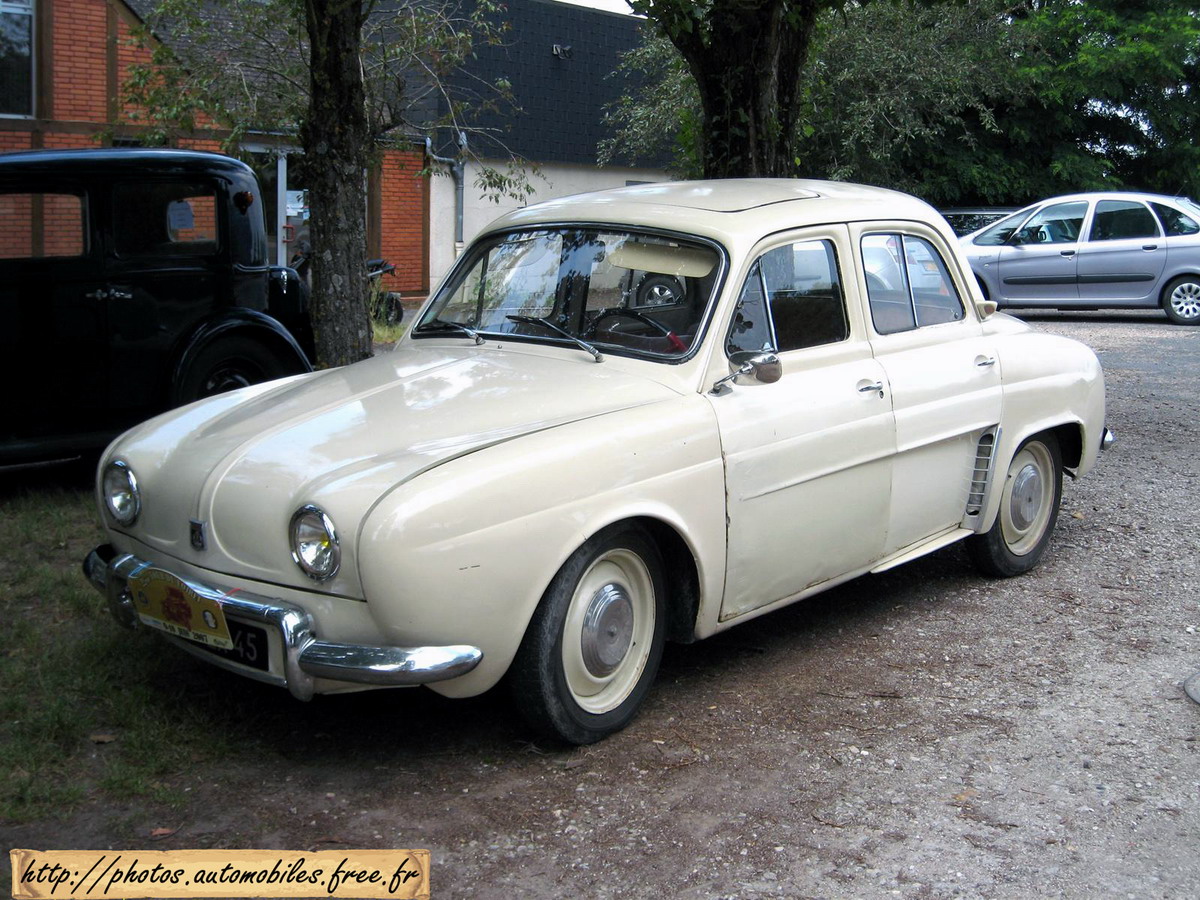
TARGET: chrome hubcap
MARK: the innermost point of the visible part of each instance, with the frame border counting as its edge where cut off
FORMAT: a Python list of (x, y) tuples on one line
[(1185, 300), (607, 630), (1026, 497)]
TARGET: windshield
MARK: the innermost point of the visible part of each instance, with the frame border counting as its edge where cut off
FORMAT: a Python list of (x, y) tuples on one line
[(625, 292)]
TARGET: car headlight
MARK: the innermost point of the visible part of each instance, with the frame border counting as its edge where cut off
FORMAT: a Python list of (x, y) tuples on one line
[(122, 498), (314, 543)]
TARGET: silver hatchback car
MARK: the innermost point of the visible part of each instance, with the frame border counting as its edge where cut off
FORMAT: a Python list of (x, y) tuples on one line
[(1088, 251)]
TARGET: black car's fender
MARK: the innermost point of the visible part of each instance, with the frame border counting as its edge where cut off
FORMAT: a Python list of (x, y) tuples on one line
[(250, 345)]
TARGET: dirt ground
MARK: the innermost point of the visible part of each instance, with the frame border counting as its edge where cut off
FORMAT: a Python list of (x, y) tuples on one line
[(925, 733)]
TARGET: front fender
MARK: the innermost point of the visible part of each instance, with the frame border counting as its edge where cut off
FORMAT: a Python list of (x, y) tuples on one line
[(467, 549)]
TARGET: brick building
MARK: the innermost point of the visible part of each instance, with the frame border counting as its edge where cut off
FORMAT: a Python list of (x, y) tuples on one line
[(62, 64)]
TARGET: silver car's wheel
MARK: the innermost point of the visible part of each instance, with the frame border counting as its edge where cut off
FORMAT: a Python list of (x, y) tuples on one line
[(1181, 300), (1029, 501), (593, 646)]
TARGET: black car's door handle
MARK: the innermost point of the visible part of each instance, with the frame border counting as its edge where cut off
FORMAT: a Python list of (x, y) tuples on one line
[(109, 293)]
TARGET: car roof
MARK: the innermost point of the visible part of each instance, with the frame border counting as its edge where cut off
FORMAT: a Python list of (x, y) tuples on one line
[(1107, 195), (118, 160), (725, 209)]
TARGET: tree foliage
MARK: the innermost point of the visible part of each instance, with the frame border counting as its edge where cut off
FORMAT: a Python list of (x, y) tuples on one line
[(967, 101), (340, 77), (745, 58)]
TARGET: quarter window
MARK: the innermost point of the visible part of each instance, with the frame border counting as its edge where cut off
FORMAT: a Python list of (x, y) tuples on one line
[(164, 220), (908, 284), (1122, 219), (1175, 222), (38, 225), (792, 299), (16, 57)]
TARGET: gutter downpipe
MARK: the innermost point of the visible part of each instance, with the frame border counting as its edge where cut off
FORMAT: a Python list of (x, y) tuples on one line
[(458, 173)]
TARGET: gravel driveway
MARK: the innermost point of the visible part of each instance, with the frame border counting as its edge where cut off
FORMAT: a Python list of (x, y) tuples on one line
[(921, 733)]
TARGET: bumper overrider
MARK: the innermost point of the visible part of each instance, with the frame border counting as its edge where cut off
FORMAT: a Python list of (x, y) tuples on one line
[(304, 658)]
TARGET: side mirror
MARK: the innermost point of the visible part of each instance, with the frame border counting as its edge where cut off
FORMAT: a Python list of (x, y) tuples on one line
[(765, 368), (986, 308)]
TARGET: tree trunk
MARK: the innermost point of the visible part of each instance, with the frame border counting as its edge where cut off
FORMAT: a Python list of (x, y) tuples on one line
[(337, 143), (747, 62)]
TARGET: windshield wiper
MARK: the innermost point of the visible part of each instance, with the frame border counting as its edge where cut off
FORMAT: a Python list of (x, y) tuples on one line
[(578, 342), (439, 325)]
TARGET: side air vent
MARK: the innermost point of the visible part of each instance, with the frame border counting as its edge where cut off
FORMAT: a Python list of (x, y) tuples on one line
[(985, 454)]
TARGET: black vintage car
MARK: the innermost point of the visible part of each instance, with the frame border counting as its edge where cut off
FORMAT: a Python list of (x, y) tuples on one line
[(132, 281)]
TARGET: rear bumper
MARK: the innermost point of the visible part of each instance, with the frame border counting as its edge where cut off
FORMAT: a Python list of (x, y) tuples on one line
[(304, 658)]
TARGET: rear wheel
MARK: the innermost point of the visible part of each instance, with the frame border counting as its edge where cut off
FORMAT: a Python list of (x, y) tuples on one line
[(1181, 300), (1029, 502), (593, 646)]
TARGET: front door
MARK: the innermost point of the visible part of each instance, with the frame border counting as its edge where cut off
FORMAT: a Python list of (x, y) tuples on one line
[(1037, 265), (808, 459)]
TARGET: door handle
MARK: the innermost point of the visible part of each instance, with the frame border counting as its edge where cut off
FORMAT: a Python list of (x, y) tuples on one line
[(865, 387), (1066, 253), (109, 293), (1149, 246), (984, 361)]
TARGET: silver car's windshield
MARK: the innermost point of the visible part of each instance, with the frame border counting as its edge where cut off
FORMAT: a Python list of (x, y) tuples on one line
[(621, 291)]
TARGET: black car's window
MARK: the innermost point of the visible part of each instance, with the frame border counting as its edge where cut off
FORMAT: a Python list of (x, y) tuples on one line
[(1175, 222), (169, 219), (792, 299), (39, 225), (908, 284), (626, 291), (1059, 223), (1117, 220)]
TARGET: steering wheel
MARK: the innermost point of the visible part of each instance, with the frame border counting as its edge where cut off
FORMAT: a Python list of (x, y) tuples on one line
[(676, 344)]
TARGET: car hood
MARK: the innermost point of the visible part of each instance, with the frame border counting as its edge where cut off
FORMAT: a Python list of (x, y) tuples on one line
[(242, 463)]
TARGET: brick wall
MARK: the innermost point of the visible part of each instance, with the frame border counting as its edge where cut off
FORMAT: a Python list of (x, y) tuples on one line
[(79, 61), (404, 207)]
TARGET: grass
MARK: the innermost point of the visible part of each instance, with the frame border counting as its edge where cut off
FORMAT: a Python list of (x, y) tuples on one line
[(83, 710)]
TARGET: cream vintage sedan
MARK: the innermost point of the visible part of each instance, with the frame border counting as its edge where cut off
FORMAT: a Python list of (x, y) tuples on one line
[(557, 470)]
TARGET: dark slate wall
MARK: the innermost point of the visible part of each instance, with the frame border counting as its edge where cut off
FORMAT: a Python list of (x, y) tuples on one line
[(561, 100)]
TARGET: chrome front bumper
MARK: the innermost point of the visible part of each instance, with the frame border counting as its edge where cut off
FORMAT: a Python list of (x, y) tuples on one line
[(304, 657)]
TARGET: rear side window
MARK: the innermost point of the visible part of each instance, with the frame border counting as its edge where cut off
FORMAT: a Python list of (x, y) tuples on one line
[(1122, 219), (172, 219), (792, 299), (1175, 222), (41, 225), (908, 284)]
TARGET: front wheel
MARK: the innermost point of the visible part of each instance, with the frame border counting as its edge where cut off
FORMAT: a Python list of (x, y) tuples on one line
[(593, 646), (1029, 501), (227, 364), (1181, 300)]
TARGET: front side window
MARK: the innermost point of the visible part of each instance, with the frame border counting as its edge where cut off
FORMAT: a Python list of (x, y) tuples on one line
[(792, 299), (623, 291), (16, 57), (167, 219), (1117, 220), (1059, 223), (1000, 232), (1175, 222), (908, 284), (39, 225)]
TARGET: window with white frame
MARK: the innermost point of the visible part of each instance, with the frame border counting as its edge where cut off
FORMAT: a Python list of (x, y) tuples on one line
[(16, 57)]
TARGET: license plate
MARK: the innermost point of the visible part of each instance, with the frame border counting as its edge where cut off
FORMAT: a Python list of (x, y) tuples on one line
[(249, 646), (165, 602)]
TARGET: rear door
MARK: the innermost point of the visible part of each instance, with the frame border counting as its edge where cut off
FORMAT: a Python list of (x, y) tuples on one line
[(943, 375), (1123, 258)]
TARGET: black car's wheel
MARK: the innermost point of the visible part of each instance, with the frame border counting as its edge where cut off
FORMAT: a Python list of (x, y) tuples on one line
[(227, 364), (1029, 502), (391, 310), (593, 646), (659, 290), (1181, 300)]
